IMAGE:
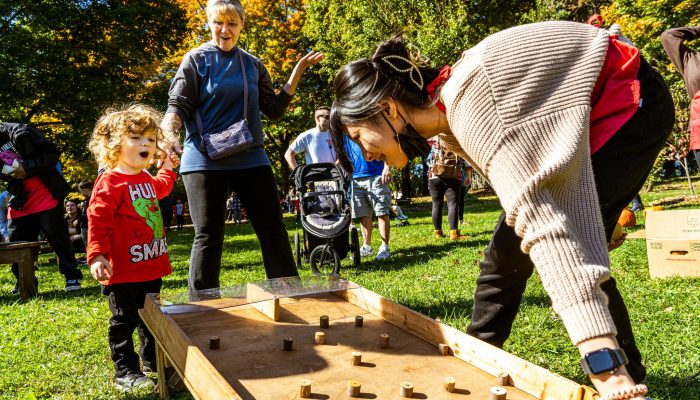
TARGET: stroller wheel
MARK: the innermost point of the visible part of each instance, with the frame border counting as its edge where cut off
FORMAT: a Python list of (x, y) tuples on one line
[(297, 250), (355, 246), (324, 260)]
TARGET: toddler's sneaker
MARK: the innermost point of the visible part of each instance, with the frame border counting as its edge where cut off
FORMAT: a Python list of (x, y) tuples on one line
[(134, 382), (366, 251), (383, 253), (72, 285)]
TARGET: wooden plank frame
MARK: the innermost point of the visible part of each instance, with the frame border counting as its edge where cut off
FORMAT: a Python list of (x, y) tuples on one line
[(204, 381)]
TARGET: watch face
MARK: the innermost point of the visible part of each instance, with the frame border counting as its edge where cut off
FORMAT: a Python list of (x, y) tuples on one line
[(601, 361)]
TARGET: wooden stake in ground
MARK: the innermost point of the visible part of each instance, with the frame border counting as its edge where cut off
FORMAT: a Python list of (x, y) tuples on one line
[(384, 340), (444, 349), (353, 389), (359, 321), (320, 338), (406, 389), (356, 358), (288, 343), (324, 322), (214, 342), (305, 388), (497, 393), (503, 378), (449, 384)]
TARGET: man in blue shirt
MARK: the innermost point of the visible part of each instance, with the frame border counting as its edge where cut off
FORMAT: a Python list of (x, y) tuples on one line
[(370, 192), (316, 143)]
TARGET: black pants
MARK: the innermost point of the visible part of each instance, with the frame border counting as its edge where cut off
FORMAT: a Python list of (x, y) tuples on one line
[(167, 219), (439, 189), (53, 225), (620, 167), (257, 190), (180, 221), (696, 153), (125, 300), (460, 203)]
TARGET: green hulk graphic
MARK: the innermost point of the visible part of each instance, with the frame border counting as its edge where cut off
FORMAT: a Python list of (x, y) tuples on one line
[(149, 210)]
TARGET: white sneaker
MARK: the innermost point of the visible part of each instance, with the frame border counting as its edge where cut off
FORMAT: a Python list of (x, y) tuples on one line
[(383, 253), (366, 251)]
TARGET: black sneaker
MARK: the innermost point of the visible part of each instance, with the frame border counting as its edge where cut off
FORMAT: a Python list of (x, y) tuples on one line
[(72, 285)]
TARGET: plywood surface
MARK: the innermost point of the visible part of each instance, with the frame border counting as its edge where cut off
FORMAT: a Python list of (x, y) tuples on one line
[(251, 359)]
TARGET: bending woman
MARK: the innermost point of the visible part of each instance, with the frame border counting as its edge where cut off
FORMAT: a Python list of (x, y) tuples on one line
[(519, 107), (209, 85)]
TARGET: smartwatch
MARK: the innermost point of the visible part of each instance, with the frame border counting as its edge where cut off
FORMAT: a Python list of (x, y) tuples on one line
[(603, 360)]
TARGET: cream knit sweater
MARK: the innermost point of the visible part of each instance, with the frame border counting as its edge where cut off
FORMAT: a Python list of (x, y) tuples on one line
[(518, 107)]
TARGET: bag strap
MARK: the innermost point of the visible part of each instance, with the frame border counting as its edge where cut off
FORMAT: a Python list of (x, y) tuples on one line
[(198, 118)]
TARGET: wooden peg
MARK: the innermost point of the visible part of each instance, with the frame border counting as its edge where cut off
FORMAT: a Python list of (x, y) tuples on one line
[(214, 342), (359, 321), (305, 388), (353, 389), (324, 322), (356, 358), (288, 343), (384, 340), (406, 389), (503, 378), (497, 393), (320, 338), (444, 349), (449, 384)]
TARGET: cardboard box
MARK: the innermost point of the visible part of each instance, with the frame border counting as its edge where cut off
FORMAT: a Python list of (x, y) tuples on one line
[(673, 243)]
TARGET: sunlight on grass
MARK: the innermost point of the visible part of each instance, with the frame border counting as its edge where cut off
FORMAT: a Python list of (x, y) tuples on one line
[(55, 345)]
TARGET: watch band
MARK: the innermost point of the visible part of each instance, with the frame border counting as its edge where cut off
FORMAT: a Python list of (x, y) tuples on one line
[(605, 360)]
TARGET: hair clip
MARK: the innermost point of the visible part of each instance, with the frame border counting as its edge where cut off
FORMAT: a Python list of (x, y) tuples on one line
[(412, 67)]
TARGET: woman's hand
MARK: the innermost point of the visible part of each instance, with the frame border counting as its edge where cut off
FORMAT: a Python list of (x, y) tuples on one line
[(606, 382), (101, 269), (311, 58)]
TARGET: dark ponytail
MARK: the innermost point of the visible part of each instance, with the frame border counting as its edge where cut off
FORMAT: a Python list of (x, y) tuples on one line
[(361, 86)]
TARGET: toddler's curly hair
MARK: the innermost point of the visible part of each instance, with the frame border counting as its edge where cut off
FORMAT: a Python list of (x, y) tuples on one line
[(116, 124)]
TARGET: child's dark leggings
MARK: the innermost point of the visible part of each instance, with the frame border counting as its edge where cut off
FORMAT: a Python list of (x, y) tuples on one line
[(125, 300)]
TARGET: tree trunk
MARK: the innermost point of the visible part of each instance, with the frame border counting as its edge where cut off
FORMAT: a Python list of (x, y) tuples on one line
[(424, 177), (684, 163), (406, 182)]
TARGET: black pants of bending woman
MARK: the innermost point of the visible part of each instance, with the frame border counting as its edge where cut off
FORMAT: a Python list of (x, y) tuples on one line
[(620, 167), (257, 190), (441, 188)]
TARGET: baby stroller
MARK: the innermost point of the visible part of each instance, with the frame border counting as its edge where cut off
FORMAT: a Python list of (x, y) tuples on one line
[(327, 234)]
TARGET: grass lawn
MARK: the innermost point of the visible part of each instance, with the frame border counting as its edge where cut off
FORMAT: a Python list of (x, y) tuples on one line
[(55, 345)]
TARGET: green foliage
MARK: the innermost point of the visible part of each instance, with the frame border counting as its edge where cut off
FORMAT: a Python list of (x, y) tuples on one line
[(63, 61)]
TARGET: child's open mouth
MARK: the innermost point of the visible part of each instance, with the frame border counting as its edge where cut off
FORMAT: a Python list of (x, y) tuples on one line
[(144, 154)]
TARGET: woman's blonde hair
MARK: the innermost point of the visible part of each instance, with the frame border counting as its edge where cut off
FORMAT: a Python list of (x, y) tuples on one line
[(226, 8), (116, 124)]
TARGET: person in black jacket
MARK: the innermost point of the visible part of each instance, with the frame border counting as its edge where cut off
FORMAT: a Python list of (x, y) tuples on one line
[(37, 190)]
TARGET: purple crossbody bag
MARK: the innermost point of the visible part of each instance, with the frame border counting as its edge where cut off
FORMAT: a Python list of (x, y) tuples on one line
[(233, 139)]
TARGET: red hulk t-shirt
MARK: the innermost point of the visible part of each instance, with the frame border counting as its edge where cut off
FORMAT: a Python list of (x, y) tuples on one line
[(126, 226)]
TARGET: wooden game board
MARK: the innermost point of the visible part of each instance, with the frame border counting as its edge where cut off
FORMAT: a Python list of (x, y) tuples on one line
[(251, 363)]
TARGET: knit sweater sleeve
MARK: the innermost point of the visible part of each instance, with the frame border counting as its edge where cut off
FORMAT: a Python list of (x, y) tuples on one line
[(521, 115)]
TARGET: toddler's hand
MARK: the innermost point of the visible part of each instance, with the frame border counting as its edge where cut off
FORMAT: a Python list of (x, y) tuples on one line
[(101, 269), (170, 161)]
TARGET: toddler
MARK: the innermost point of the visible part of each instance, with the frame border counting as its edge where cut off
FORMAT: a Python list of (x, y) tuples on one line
[(127, 251)]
